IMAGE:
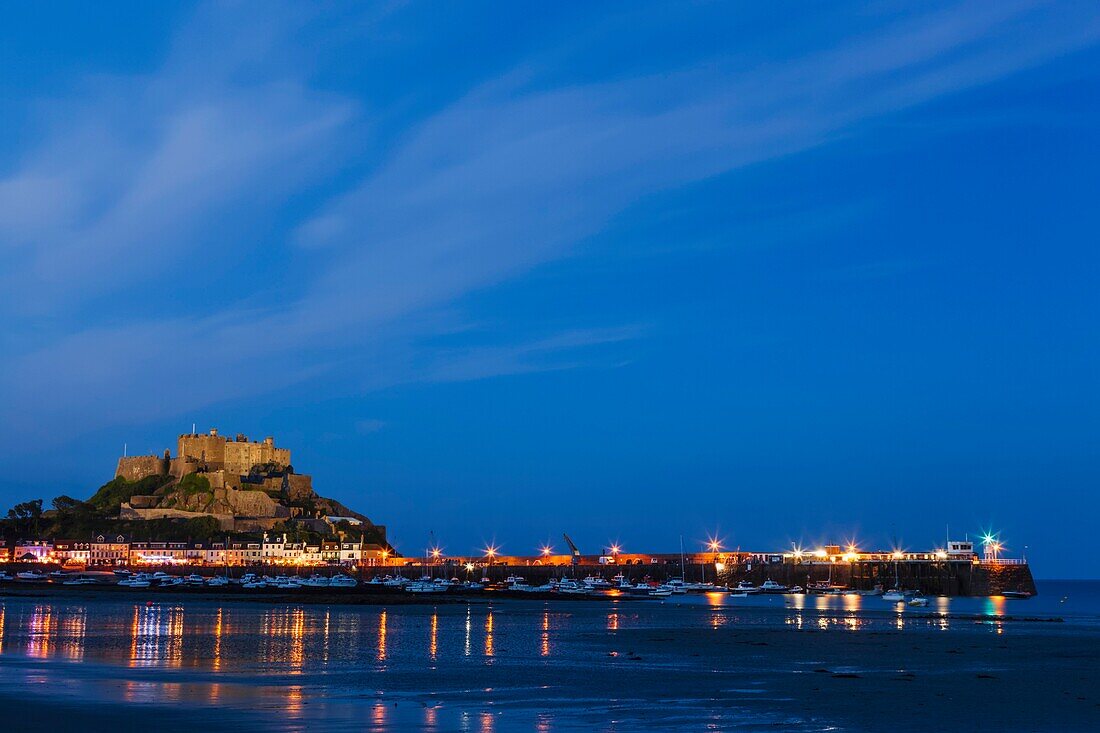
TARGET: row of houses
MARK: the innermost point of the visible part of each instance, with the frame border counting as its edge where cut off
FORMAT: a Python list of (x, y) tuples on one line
[(118, 550)]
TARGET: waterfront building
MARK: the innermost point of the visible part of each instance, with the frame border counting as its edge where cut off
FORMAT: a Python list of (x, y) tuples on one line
[(33, 551), (109, 550), (72, 552)]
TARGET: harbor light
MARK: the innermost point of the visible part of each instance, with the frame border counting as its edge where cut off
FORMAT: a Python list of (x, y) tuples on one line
[(615, 549), (490, 552), (714, 545), (436, 553), (849, 556), (896, 554), (469, 567), (819, 553), (941, 555), (546, 550)]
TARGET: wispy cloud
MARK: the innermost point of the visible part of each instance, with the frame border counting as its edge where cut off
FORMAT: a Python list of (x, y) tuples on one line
[(136, 180)]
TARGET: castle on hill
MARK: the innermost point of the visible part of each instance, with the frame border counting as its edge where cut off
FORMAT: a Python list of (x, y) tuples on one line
[(245, 485)]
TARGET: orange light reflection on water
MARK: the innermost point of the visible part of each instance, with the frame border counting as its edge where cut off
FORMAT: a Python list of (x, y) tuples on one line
[(382, 637), (489, 634), (40, 639), (544, 647), (433, 640)]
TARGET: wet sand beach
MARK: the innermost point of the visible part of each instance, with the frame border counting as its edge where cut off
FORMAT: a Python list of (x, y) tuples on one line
[(698, 664)]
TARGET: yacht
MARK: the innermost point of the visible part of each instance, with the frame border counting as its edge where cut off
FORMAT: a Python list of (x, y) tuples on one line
[(770, 586), (316, 581), (745, 587), (31, 576), (343, 581)]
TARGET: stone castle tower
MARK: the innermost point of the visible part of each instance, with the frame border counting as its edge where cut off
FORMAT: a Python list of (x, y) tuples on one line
[(206, 452)]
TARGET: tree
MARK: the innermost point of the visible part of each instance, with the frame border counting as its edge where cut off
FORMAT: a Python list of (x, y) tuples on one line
[(26, 517)]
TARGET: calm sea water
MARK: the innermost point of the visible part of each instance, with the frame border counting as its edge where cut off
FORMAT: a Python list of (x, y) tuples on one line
[(509, 665)]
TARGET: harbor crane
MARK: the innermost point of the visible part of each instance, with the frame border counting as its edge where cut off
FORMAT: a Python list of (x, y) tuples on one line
[(573, 551)]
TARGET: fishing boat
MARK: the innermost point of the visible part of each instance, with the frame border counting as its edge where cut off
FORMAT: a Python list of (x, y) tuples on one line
[(770, 586), (598, 583), (745, 587)]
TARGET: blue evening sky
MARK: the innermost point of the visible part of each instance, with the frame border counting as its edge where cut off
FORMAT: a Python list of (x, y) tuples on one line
[(780, 272)]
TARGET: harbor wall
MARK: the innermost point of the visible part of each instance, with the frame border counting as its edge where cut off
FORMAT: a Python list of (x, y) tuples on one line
[(960, 578)]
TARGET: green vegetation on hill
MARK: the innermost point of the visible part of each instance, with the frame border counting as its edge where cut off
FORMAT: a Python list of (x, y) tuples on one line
[(113, 493)]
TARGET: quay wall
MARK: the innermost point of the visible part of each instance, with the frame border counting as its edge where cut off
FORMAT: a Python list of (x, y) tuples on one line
[(960, 578)]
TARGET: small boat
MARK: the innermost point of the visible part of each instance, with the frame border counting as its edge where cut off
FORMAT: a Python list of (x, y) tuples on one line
[(876, 591), (254, 584), (137, 584), (58, 575), (194, 579), (81, 581), (170, 582), (421, 586), (918, 601), (121, 572), (770, 586), (218, 581), (316, 581), (894, 595), (4, 576), (1016, 595), (797, 590)]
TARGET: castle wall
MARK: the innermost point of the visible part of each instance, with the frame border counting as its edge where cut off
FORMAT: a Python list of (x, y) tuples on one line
[(126, 511), (134, 468), (235, 456)]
